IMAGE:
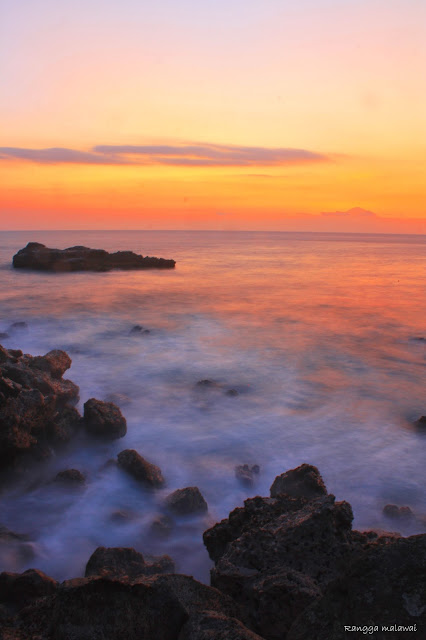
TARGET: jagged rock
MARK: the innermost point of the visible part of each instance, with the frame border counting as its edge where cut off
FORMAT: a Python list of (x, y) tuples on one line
[(35, 403), (142, 470), (71, 477), (39, 257), (304, 481), (246, 473), (186, 501), (126, 564), (385, 585), (104, 419)]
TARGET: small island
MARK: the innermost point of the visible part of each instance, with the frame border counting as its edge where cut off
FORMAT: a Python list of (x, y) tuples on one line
[(38, 257)]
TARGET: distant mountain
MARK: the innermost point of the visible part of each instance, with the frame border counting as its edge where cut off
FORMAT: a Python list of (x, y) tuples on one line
[(355, 212)]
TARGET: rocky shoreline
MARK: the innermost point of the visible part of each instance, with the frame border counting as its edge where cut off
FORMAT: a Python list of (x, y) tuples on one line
[(286, 567), (38, 257)]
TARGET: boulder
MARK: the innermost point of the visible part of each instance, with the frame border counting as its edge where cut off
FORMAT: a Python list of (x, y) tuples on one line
[(41, 258), (142, 470), (246, 473), (36, 403), (125, 564), (421, 423), (104, 419), (186, 501), (139, 330), (304, 481), (21, 588)]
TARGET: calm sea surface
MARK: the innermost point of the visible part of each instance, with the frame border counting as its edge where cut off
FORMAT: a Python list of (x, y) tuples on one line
[(318, 333)]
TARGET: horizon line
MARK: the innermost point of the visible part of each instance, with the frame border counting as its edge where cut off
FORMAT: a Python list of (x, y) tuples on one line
[(355, 233)]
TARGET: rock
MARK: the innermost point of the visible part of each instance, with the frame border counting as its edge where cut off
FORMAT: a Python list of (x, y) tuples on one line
[(104, 419), (304, 481), (139, 330), (421, 423), (206, 383), (19, 325), (125, 564), (36, 404), (39, 257), (385, 585), (162, 526), (186, 501), (56, 362), (232, 393), (393, 511), (3, 335), (245, 473), (71, 477), (121, 517), (142, 470), (210, 625), (21, 588)]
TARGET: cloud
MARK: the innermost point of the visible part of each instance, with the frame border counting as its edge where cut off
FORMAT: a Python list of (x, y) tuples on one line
[(355, 212), (193, 155), (58, 155)]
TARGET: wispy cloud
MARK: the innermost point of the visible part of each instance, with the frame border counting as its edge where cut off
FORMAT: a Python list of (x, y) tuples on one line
[(193, 155)]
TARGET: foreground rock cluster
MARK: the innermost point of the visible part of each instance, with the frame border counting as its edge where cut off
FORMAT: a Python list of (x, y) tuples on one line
[(41, 258), (287, 567)]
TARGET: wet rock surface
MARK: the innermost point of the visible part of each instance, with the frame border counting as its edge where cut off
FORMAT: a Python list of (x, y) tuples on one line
[(140, 469), (104, 419), (41, 258), (186, 501), (36, 403), (70, 477)]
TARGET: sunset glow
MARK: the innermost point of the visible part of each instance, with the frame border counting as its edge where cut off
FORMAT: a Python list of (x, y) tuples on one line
[(240, 115)]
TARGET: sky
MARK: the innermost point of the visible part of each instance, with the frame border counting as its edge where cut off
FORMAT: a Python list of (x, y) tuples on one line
[(265, 114)]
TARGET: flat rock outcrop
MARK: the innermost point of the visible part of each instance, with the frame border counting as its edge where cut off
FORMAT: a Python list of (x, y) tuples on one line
[(38, 257), (36, 403), (277, 557)]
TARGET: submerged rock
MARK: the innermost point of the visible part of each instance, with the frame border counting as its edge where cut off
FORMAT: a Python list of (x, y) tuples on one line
[(186, 501), (70, 477), (39, 257), (421, 423), (139, 330), (246, 473), (142, 470), (104, 419)]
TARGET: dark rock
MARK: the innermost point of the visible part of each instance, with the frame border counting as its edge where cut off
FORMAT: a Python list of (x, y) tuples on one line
[(21, 588), (19, 325), (70, 477), (211, 625), (246, 473), (139, 330), (186, 501), (104, 419), (304, 481), (56, 362), (6, 535), (125, 564), (421, 423), (39, 257), (393, 511), (206, 383), (162, 526), (385, 585), (142, 470), (121, 517), (3, 335), (232, 393)]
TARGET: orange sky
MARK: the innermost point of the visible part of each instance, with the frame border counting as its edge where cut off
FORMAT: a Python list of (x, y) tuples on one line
[(233, 115)]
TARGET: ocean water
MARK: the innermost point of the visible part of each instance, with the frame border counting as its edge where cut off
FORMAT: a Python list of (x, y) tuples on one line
[(320, 334)]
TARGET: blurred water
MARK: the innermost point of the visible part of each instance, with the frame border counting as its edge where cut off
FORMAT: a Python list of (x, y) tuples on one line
[(317, 333)]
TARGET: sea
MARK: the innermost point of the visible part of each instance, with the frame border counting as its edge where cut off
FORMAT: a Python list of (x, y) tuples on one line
[(320, 339)]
